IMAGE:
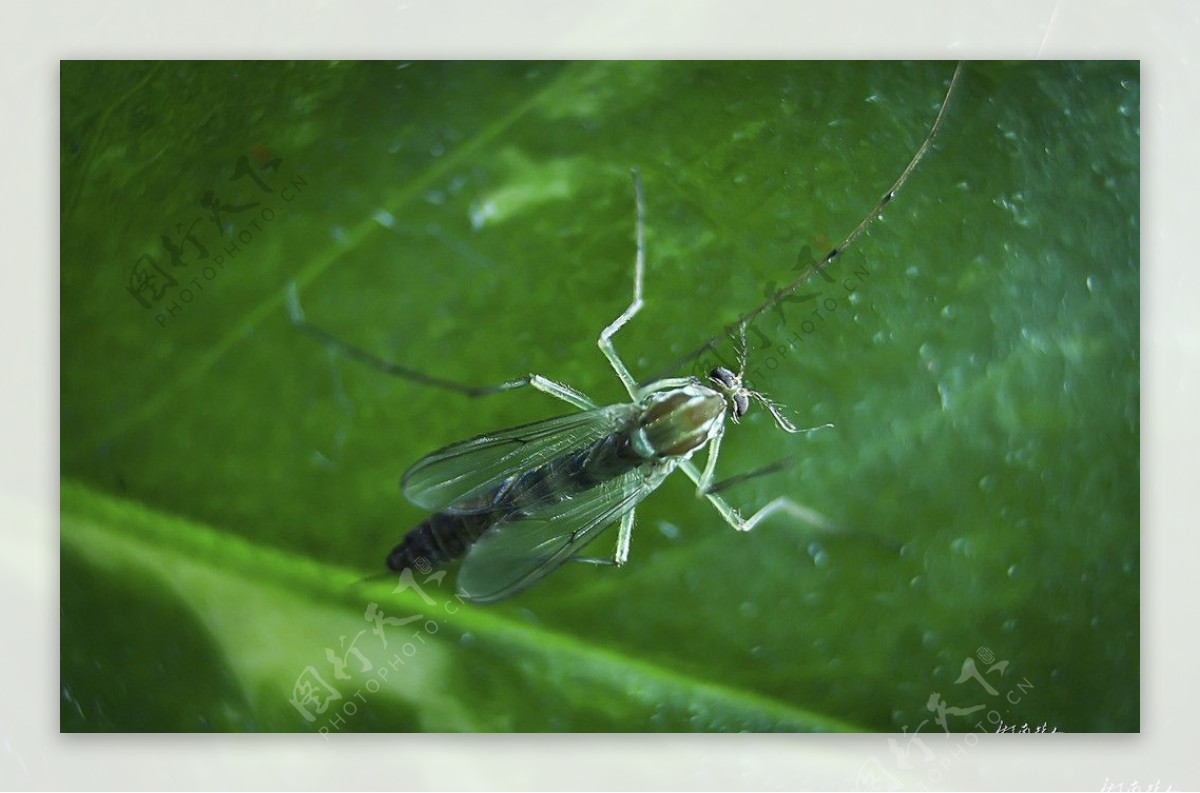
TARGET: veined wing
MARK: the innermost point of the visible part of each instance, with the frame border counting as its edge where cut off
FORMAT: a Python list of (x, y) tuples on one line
[(522, 548), (469, 468)]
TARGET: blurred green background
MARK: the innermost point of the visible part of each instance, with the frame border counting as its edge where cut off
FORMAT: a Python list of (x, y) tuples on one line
[(226, 482)]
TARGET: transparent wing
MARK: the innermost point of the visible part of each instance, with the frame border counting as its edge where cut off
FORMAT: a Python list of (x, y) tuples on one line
[(469, 468), (521, 549)]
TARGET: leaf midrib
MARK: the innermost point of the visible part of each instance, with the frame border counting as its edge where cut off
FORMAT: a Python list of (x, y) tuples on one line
[(322, 261), (174, 538)]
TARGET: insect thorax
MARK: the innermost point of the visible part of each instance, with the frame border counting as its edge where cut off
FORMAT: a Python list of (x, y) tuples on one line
[(676, 422)]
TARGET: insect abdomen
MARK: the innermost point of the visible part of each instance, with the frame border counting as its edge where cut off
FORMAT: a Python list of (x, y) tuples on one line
[(440, 538), (445, 536)]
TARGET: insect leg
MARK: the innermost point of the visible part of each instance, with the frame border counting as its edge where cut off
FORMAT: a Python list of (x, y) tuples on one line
[(639, 269), (663, 385), (624, 533), (333, 343), (787, 289), (704, 483), (780, 504), (560, 391), (770, 468)]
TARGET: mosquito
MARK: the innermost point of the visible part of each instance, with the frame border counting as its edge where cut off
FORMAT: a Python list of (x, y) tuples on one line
[(517, 503)]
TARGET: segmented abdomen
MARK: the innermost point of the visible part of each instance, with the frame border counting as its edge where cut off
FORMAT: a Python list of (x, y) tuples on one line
[(445, 536), (440, 538)]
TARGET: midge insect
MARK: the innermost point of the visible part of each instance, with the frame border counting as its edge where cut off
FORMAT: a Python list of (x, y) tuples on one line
[(519, 502)]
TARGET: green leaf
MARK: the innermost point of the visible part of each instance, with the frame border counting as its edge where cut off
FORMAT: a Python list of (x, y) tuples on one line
[(227, 483), (267, 611)]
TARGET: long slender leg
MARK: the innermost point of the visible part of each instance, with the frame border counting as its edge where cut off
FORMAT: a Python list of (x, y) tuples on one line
[(816, 267), (736, 479), (704, 484), (780, 504), (333, 343), (639, 269), (561, 391), (624, 534), (663, 385)]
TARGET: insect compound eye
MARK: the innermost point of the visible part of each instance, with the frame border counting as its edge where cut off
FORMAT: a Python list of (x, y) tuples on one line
[(741, 403), (723, 376)]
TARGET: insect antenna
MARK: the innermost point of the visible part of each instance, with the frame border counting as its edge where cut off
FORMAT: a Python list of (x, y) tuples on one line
[(784, 423), (775, 410)]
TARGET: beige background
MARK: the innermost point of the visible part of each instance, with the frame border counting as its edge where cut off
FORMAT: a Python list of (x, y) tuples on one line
[(1162, 34)]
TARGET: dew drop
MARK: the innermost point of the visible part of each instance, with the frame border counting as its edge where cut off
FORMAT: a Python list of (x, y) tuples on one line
[(669, 530), (481, 212), (384, 218)]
